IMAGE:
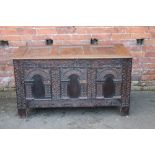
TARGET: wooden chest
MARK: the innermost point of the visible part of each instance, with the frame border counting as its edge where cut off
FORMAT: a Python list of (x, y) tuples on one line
[(72, 76)]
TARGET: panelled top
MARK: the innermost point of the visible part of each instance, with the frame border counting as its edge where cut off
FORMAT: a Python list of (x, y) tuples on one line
[(72, 52)]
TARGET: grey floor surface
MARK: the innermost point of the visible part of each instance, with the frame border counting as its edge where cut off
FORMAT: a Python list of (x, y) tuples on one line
[(142, 115)]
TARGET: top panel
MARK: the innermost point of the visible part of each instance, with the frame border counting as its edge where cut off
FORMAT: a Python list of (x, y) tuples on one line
[(72, 52)]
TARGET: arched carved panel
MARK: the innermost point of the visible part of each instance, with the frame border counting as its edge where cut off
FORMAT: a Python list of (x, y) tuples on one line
[(73, 87), (108, 82), (73, 82), (38, 87), (37, 83), (108, 86)]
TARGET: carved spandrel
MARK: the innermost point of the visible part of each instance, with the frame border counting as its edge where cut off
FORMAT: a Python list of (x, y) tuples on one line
[(29, 73), (102, 72), (66, 72)]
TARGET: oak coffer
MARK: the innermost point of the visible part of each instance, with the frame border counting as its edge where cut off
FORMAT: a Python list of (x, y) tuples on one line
[(72, 76)]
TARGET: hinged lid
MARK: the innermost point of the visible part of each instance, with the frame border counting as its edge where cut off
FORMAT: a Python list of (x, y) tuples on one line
[(72, 52)]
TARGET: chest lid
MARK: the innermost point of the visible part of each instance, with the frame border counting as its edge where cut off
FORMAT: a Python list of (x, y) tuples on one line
[(72, 52)]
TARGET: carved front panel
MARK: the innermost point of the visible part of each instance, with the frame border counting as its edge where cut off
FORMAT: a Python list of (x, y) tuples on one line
[(73, 82)]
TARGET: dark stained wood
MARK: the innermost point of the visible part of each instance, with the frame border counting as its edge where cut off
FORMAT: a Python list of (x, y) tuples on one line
[(72, 76)]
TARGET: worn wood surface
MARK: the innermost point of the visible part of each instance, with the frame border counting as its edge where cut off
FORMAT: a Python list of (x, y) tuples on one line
[(72, 52)]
